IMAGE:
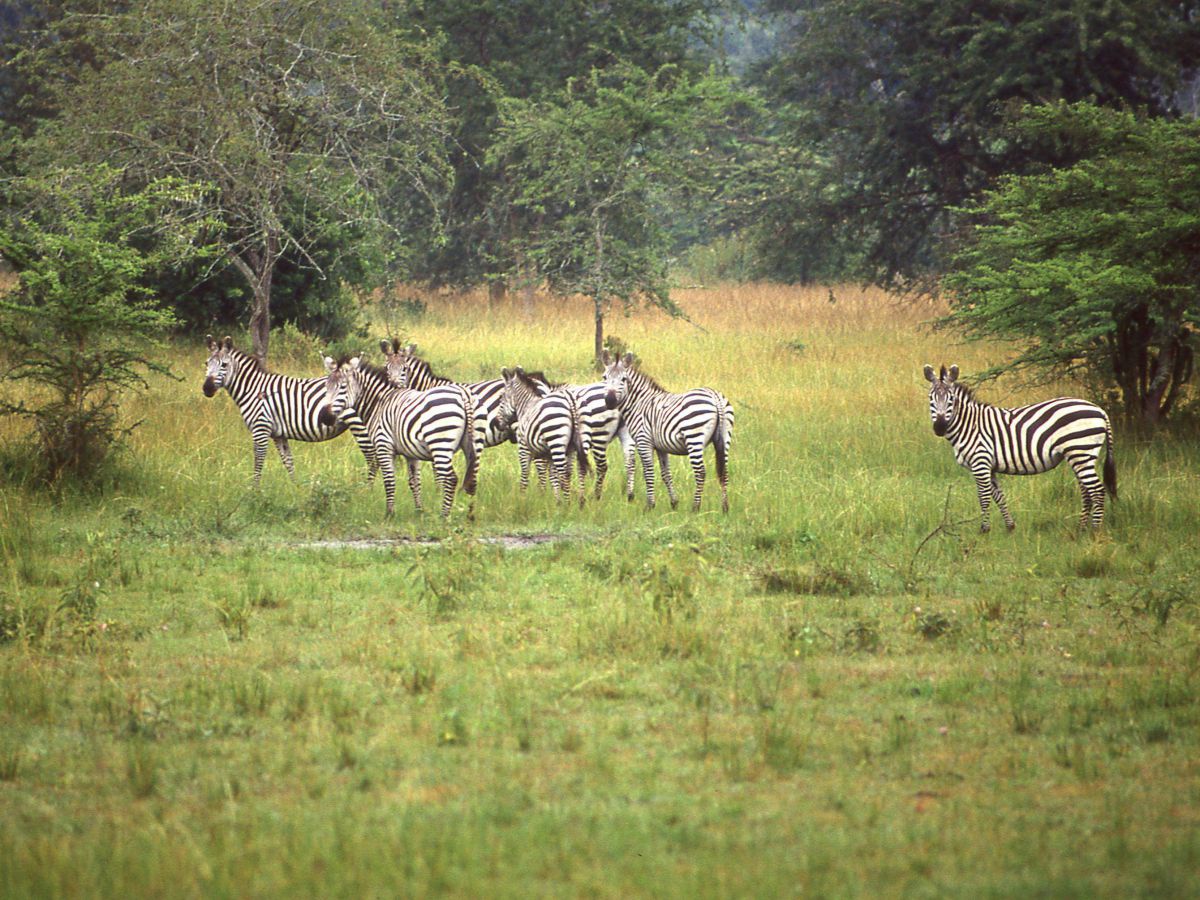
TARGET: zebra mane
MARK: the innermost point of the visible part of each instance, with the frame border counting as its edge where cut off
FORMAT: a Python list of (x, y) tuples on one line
[(529, 382), (423, 366), (964, 392), (373, 372), (538, 375), (249, 359), (651, 382)]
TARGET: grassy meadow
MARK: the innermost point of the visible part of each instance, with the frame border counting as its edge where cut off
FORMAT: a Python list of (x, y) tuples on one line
[(840, 688)]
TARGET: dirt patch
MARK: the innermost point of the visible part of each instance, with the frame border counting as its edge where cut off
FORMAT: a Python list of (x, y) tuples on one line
[(507, 541)]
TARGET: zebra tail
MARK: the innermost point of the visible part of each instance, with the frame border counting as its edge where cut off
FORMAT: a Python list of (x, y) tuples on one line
[(469, 443), (577, 439), (1110, 464), (723, 436)]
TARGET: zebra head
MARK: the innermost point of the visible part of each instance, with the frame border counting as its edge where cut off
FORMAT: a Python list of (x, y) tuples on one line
[(942, 398), (506, 410), (616, 378), (398, 361), (341, 389), (220, 364)]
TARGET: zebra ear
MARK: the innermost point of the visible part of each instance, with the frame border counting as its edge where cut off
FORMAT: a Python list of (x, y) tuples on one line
[(411, 349), (929, 373), (628, 358), (208, 339), (605, 357), (228, 342), (519, 370), (354, 362), (330, 365), (953, 373), (506, 374), (384, 346)]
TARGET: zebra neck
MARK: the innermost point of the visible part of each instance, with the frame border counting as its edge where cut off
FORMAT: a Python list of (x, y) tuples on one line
[(641, 393), (421, 377), (247, 380), (966, 417)]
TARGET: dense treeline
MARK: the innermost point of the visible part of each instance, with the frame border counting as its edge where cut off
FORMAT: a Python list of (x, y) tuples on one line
[(595, 147)]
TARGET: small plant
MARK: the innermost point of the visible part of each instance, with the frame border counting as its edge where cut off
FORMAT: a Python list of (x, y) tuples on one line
[(142, 767), (233, 615), (862, 637), (931, 624)]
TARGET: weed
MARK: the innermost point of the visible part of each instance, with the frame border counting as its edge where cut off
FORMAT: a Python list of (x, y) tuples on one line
[(142, 769), (931, 624), (862, 637), (233, 615)]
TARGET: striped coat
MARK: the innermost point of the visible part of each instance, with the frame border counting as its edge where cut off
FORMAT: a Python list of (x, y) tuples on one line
[(664, 423), (1027, 440), (428, 426), (547, 426), (274, 407)]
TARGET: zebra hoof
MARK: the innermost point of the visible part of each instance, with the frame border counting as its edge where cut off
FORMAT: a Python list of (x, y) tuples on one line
[(1011, 526), (985, 527)]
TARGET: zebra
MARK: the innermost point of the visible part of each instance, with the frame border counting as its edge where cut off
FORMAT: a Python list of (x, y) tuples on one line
[(663, 423), (1027, 440), (418, 425), (406, 369), (274, 407), (601, 423), (547, 426)]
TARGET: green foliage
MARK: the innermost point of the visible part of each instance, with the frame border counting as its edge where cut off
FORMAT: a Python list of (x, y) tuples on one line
[(81, 324), (319, 124), (1093, 266), (592, 169), (893, 113)]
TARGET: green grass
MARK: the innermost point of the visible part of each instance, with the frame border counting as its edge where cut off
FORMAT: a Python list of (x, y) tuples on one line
[(840, 688)]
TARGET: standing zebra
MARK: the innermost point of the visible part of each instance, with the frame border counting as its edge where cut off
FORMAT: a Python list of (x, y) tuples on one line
[(547, 426), (406, 369), (274, 407), (1027, 440), (664, 423), (418, 425), (601, 423)]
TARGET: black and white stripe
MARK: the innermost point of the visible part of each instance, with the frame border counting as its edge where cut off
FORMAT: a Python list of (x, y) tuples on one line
[(428, 426), (601, 423), (663, 423), (407, 370), (274, 407), (547, 426), (990, 440)]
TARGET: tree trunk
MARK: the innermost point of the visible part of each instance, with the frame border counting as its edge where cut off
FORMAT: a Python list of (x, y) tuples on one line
[(259, 269)]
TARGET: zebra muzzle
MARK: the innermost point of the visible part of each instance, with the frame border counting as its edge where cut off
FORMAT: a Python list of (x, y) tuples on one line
[(610, 399), (326, 416), (210, 387), (939, 426)]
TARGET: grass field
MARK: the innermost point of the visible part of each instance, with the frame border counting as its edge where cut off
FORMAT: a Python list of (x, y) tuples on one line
[(839, 689)]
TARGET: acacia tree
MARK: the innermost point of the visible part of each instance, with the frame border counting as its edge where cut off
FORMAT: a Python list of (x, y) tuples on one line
[(297, 114), (591, 170), (1093, 267)]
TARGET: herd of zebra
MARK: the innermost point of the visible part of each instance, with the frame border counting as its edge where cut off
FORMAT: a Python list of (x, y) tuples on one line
[(404, 409)]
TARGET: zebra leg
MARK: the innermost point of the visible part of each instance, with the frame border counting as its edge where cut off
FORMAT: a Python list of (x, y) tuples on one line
[(414, 483), (600, 461), (998, 496), (646, 452), (628, 451), (664, 463), (285, 453), (562, 473), (1092, 490), (443, 468), (523, 456), (696, 455), (387, 467), (983, 486), (260, 439), (543, 472)]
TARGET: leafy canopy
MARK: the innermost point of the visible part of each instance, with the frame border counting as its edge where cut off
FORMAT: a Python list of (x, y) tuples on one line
[(1092, 267)]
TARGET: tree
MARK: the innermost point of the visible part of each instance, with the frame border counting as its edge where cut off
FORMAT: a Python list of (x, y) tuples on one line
[(592, 169), (897, 109), (1094, 266), (527, 50), (298, 114), (80, 325)]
